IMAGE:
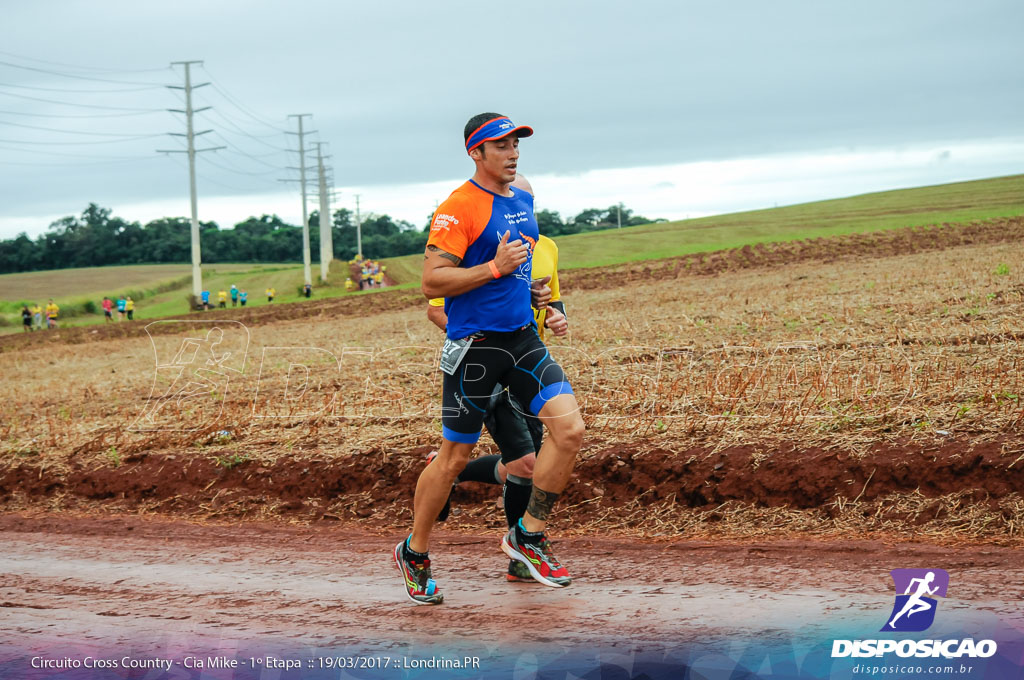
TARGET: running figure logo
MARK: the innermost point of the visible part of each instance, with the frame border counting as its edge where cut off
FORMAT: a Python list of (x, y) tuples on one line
[(914, 609), (192, 373), (524, 272)]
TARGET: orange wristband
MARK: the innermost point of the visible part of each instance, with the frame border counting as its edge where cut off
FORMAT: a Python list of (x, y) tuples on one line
[(494, 269)]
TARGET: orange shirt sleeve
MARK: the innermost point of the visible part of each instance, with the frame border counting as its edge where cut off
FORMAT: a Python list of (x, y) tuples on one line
[(458, 222), (450, 228)]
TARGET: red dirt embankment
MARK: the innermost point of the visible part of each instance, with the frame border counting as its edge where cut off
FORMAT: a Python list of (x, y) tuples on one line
[(666, 488)]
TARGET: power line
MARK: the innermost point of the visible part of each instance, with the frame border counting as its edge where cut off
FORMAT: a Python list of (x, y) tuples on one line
[(80, 115), (80, 67), (277, 168), (207, 178), (69, 132), (88, 163), (239, 151), (237, 104), (72, 155), (242, 172), (240, 131), (69, 75), (84, 106), (244, 133), (65, 89), (105, 141)]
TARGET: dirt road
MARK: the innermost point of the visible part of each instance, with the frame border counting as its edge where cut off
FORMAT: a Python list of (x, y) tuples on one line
[(151, 587)]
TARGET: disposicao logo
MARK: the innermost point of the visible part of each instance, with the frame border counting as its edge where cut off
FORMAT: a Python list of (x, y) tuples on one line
[(913, 612), (914, 609)]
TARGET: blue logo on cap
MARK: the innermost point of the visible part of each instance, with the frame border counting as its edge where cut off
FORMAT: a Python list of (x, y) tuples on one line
[(914, 609)]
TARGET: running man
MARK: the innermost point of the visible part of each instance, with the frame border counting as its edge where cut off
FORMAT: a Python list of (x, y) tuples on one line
[(234, 295), (914, 603), (479, 258), (129, 307), (222, 299), (517, 434), (271, 292), (108, 310)]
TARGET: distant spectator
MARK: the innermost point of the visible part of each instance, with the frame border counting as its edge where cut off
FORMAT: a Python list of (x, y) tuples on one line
[(222, 299), (350, 285), (26, 319), (244, 297), (307, 289), (120, 308), (234, 295), (205, 295), (270, 294), (378, 279), (129, 307), (37, 316), (108, 310), (52, 310)]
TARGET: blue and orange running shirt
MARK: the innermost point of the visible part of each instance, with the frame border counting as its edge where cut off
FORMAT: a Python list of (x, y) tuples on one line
[(469, 225)]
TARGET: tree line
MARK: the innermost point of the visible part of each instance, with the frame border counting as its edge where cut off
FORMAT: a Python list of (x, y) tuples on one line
[(99, 238)]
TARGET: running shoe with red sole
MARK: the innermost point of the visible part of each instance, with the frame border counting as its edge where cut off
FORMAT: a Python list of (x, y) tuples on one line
[(518, 573), (538, 560), (419, 586)]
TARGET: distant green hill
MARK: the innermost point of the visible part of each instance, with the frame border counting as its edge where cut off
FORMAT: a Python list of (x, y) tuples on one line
[(959, 202), (158, 290), (161, 290)]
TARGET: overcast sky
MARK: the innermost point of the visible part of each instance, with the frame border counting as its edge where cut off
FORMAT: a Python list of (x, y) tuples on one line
[(674, 108)]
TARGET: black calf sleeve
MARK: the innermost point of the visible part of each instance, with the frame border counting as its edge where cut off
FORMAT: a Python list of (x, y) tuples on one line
[(483, 469), (517, 496)]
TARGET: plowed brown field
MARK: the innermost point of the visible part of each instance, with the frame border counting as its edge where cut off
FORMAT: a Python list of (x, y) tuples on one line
[(770, 430), (864, 384)]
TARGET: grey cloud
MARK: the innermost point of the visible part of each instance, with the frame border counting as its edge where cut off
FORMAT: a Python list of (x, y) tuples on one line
[(605, 84)]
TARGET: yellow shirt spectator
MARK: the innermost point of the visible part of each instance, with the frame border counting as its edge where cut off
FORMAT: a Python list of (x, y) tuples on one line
[(129, 305), (545, 263), (52, 310)]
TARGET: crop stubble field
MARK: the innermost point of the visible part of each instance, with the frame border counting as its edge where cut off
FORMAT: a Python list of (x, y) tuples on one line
[(829, 388)]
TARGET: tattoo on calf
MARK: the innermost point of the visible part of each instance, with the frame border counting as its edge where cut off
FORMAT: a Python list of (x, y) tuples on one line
[(541, 502), (446, 255)]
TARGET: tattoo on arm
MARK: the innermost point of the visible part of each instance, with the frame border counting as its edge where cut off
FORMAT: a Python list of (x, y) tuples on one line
[(448, 256), (541, 502)]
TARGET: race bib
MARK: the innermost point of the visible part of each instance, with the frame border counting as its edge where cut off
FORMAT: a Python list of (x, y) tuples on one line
[(452, 353)]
